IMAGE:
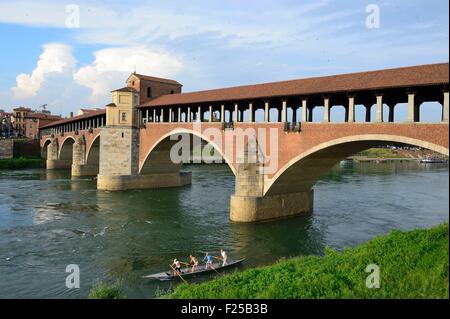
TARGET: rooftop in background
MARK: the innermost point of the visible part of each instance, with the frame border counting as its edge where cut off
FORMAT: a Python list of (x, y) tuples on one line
[(156, 79), (408, 77), (95, 112), (125, 89), (22, 109), (85, 111), (36, 115)]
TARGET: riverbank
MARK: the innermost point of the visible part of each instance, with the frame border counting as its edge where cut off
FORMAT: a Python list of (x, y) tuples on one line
[(22, 162), (412, 264), (389, 154)]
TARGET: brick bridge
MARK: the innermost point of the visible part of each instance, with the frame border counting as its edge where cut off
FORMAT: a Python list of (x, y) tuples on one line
[(264, 132)]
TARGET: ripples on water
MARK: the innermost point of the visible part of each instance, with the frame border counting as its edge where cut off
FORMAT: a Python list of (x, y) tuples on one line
[(48, 221)]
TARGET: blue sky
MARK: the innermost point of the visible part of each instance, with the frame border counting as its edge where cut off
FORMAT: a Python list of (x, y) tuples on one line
[(202, 44)]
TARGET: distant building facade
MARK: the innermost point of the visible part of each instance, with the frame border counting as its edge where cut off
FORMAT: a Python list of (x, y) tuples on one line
[(6, 124), (35, 120), (19, 120)]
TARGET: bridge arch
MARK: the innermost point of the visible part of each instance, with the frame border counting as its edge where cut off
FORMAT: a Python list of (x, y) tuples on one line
[(44, 149), (93, 152), (303, 171), (159, 153), (66, 149)]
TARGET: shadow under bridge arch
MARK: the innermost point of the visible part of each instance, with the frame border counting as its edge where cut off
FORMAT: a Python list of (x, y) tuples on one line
[(303, 171), (168, 154)]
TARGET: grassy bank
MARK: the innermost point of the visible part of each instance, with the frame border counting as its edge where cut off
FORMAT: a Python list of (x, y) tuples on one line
[(21, 162), (412, 264), (380, 153)]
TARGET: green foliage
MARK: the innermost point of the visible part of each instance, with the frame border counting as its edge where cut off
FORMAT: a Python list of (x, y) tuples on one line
[(21, 162), (105, 291), (412, 264), (379, 153)]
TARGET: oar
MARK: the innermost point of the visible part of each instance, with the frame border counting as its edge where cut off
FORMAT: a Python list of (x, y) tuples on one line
[(176, 271)]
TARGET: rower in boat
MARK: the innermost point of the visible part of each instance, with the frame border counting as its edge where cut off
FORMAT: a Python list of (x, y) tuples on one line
[(224, 257), (193, 261), (209, 261), (176, 266)]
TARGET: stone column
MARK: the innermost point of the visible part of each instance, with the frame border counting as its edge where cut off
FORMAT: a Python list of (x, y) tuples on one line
[(179, 114), (250, 112), (368, 107), (379, 108), (304, 110), (210, 113), (235, 114), (283, 111), (391, 112), (326, 110), (52, 154), (310, 113), (445, 105), (351, 109), (266, 111), (170, 115), (413, 108), (222, 113), (188, 115), (79, 165), (154, 115)]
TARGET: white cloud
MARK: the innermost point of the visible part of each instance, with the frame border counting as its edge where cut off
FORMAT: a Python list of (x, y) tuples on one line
[(111, 67), (59, 82), (55, 58)]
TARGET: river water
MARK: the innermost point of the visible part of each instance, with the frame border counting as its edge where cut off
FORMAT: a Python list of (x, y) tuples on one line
[(48, 221)]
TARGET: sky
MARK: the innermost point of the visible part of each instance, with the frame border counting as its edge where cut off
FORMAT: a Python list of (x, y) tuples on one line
[(71, 54)]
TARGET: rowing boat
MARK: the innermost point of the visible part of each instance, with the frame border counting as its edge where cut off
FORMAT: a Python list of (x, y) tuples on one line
[(187, 271)]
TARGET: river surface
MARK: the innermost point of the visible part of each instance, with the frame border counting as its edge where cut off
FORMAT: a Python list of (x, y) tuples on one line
[(48, 221)]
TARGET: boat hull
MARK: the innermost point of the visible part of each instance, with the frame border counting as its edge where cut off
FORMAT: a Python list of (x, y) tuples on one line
[(186, 272)]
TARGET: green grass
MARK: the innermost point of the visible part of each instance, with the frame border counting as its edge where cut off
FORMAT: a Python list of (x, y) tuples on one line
[(21, 163), (412, 264), (105, 291), (379, 153)]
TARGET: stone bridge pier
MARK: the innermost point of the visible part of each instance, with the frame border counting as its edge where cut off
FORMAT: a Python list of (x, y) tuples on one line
[(81, 165), (250, 204)]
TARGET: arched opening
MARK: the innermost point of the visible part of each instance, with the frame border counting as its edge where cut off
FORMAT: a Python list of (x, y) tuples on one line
[(66, 152), (175, 149), (302, 172), (259, 115), (93, 156), (273, 114), (317, 114), (431, 112), (360, 113), (401, 112), (337, 113), (44, 150)]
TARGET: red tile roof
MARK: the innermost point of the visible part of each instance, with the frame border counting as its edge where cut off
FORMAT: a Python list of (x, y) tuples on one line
[(21, 108), (125, 89), (42, 116), (155, 79), (422, 75), (76, 118)]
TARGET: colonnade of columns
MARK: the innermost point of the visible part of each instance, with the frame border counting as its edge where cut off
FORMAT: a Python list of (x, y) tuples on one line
[(85, 124), (218, 113)]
